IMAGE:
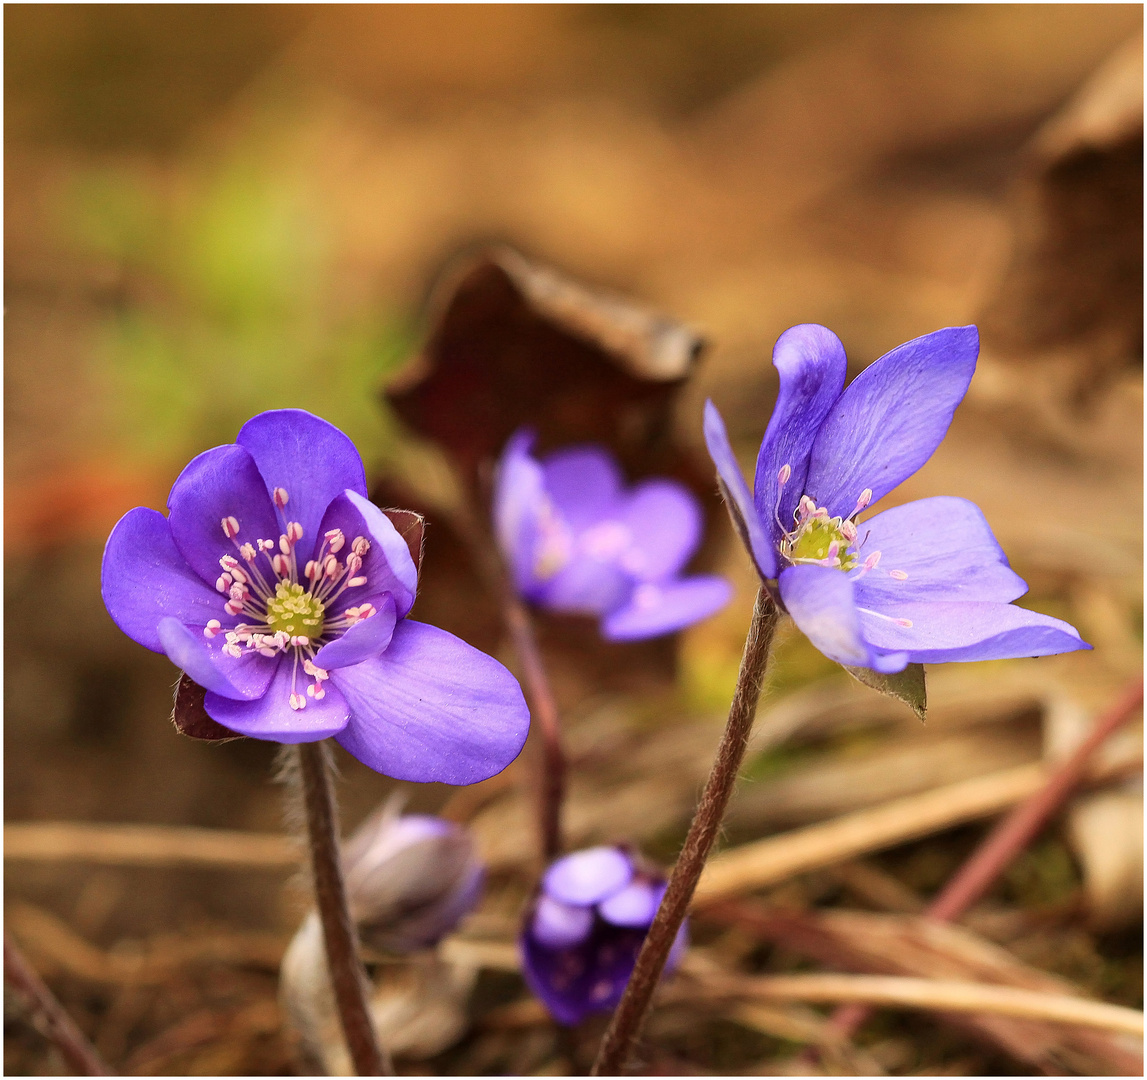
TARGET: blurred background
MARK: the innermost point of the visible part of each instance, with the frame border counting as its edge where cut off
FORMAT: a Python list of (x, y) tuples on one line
[(211, 211)]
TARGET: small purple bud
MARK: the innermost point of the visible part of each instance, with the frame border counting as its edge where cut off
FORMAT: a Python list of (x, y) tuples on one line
[(410, 880), (582, 932)]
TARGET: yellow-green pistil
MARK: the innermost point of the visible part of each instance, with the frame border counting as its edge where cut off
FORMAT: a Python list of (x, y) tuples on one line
[(813, 540), (295, 612)]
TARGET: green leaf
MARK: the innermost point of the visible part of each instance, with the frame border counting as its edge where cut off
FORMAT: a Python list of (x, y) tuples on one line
[(907, 685)]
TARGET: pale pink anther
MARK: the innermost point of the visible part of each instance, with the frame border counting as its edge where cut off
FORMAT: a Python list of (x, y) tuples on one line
[(229, 562), (331, 566), (848, 531), (299, 640), (315, 672), (212, 628), (785, 474), (862, 502), (284, 544), (833, 552), (281, 565), (248, 552), (360, 546), (806, 507), (281, 497), (282, 639), (355, 582), (267, 651), (223, 582), (230, 527), (231, 649), (899, 575), (266, 545), (336, 540), (353, 564), (872, 560), (294, 533), (906, 623), (298, 701)]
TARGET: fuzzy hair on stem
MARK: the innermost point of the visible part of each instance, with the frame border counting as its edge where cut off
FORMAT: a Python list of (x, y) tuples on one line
[(629, 1018)]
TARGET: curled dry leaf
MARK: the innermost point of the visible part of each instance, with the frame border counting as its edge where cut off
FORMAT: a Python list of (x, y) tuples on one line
[(513, 342), (188, 714)]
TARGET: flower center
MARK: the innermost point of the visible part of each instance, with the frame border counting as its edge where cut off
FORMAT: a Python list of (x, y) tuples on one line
[(821, 539), (281, 615), (295, 612)]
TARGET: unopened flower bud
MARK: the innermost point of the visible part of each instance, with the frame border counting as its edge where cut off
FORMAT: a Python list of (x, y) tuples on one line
[(410, 879)]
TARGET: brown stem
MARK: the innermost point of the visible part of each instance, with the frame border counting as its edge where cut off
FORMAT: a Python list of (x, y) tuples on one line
[(348, 978), (625, 1027), (1011, 835), (551, 781), (50, 1015)]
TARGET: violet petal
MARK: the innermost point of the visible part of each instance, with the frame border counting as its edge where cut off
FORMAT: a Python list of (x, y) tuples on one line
[(934, 549), (661, 608), (944, 632), (753, 534), (144, 578), (812, 366), (219, 483), (589, 876), (518, 497), (821, 601), (584, 482), (432, 708), (241, 678), (635, 905), (664, 520), (271, 716), (361, 641), (557, 925), (306, 456), (388, 567), (891, 418)]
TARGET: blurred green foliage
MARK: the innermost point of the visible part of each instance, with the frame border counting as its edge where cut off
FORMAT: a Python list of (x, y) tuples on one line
[(231, 304)]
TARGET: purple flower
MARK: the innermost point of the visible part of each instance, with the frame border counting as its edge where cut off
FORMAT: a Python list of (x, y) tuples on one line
[(276, 586), (921, 583), (577, 541), (583, 931), (410, 880)]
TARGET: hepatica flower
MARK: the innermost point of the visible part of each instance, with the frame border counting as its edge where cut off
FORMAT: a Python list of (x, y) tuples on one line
[(583, 931), (925, 582), (578, 541), (277, 587)]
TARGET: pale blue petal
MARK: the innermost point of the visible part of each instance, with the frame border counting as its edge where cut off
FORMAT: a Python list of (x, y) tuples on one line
[(362, 641)]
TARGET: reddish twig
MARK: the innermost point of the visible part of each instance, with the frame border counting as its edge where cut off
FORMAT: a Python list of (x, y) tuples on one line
[(628, 1019), (1012, 834), (348, 977), (50, 1016)]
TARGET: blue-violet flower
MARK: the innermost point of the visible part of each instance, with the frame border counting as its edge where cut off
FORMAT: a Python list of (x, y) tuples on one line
[(584, 929), (277, 587), (577, 541), (925, 582)]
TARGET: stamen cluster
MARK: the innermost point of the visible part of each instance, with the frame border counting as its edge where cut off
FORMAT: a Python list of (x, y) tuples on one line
[(282, 614)]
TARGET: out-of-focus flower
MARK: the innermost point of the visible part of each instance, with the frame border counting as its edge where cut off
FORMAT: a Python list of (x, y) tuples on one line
[(410, 879), (577, 541), (921, 583), (583, 931), (277, 587)]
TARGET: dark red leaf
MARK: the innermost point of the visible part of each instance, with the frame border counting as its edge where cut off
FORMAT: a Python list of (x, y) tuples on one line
[(190, 717)]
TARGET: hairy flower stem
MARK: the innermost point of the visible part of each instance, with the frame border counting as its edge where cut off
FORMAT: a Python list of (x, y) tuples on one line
[(625, 1027), (50, 1016), (551, 781), (348, 978)]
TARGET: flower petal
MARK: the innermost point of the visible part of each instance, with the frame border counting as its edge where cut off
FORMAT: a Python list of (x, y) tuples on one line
[(217, 484), (979, 630), (271, 716), (811, 362), (557, 925), (585, 585), (820, 599), (661, 608), (891, 418), (144, 578), (589, 876), (309, 458), (432, 708), (664, 520), (584, 482), (518, 498), (241, 678), (635, 905), (753, 534), (363, 640), (945, 550), (388, 567)]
